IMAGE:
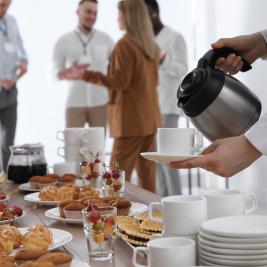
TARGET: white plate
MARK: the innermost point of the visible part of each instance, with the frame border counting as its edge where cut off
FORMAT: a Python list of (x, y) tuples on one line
[(237, 252), (5, 201), (232, 257), (16, 219), (60, 238), (234, 263), (237, 226), (27, 187), (166, 159), (34, 198), (219, 239), (234, 246), (136, 208)]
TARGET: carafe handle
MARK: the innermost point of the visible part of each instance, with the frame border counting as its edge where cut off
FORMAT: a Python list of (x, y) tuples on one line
[(210, 58)]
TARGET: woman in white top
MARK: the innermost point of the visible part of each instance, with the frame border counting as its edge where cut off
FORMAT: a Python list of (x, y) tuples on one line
[(229, 156)]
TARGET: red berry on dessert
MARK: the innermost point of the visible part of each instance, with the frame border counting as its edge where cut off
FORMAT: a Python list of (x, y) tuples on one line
[(94, 216), (106, 175), (18, 211), (2, 207), (91, 207), (2, 195), (115, 174), (109, 220), (97, 161)]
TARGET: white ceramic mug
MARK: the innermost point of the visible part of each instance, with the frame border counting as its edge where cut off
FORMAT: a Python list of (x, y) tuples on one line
[(69, 153), (65, 167), (70, 136), (169, 252), (182, 215), (179, 141), (229, 202)]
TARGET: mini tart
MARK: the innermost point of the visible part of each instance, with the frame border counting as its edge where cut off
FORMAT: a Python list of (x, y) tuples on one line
[(38, 263), (67, 178), (45, 181), (54, 176), (60, 259), (74, 210), (34, 180), (29, 254), (63, 204)]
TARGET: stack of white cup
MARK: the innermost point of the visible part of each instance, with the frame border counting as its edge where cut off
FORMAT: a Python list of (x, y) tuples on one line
[(80, 144)]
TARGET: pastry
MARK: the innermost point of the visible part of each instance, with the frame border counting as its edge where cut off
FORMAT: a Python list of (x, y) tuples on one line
[(34, 180), (144, 216), (74, 210), (6, 245), (150, 227), (60, 259), (53, 176), (27, 255), (65, 193), (37, 237), (7, 264), (63, 204), (38, 263), (48, 193), (67, 178), (7, 258), (44, 181), (13, 235)]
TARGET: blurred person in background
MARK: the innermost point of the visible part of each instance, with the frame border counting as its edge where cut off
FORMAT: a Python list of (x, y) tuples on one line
[(134, 113), (87, 102), (173, 67), (13, 65)]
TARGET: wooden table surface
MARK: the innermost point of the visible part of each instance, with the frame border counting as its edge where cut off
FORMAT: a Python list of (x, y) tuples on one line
[(77, 247)]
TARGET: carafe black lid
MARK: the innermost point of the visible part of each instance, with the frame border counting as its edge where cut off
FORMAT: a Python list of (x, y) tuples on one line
[(199, 89)]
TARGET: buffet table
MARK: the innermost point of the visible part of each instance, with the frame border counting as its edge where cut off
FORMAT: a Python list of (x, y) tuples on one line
[(77, 247)]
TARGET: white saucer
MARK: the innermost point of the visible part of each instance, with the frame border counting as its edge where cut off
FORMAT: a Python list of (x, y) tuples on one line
[(230, 251), (253, 226), (166, 159), (27, 187)]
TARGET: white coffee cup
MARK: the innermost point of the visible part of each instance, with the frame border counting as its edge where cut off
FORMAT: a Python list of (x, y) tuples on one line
[(229, 202), (179, 141), (65, 167), (70, 153), (169, 252), (70, 136), (182, 215)]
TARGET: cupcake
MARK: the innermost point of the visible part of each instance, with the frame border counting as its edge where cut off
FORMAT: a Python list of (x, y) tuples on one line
[(67, 178), (44, 181), (34, 181), (74, 210), (60, 259), (63, 204), (53, 176), (123, 206)]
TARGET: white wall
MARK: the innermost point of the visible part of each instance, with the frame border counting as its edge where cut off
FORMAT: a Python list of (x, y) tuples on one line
[(42, 100)]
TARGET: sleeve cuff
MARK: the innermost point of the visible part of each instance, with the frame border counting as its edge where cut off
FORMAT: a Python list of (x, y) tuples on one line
[(264, 34)]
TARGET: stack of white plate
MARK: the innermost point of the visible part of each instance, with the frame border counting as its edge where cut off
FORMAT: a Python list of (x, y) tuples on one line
[(233, 241)]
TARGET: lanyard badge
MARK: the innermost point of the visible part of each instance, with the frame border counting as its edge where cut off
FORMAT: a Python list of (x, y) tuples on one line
[(85, 43)]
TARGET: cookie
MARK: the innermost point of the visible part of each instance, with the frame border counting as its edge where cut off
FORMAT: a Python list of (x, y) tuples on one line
[(144, 216), (27, 254), (149, 226)]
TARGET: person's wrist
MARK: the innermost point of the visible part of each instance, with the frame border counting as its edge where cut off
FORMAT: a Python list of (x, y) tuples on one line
[(261, 43)]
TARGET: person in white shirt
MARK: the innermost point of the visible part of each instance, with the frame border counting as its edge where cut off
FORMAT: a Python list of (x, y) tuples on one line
[(173, 67), (229, 156), (86, 103)]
